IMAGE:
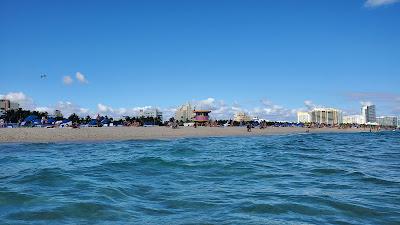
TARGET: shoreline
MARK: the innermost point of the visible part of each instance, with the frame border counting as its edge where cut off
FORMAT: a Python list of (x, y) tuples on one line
[(40, 135)]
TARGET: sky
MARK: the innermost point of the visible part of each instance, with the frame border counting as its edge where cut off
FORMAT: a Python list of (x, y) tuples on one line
[(267, 58)]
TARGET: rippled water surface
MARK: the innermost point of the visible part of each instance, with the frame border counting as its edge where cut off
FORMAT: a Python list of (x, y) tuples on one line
[(289, 179)]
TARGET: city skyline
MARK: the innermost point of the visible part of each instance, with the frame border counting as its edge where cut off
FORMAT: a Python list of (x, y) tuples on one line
[(269, 59), (66, 109)]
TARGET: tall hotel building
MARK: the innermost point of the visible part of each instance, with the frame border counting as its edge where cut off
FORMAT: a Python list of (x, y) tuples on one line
[(368, 112), (327, 116)]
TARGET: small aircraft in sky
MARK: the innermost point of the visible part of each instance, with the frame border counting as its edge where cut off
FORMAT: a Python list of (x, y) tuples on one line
[(43, 76)]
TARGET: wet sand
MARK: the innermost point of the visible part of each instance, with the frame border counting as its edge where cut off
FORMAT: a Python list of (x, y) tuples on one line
[(140, 133)]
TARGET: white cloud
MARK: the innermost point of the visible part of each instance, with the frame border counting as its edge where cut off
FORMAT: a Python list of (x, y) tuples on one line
[(43, 109), (104, 109), (67, 108), (119, 112), (219, 108), (267, 110), (376, 3), (26, 102), (366, 103), (309, 104), (19, 97), (168, 112), (81, 78), (271, 111), (67, 80)]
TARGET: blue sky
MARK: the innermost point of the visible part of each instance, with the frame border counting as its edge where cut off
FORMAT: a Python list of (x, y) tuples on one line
[(269, 58)]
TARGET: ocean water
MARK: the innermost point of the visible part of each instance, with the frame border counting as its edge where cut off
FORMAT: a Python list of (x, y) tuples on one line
[(283, 179)]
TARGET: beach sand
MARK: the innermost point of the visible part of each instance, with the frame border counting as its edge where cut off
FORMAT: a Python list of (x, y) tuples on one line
[(132, 133)]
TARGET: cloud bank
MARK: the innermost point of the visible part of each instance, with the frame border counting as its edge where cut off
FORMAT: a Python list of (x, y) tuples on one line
[(264, 108), (19, 97)]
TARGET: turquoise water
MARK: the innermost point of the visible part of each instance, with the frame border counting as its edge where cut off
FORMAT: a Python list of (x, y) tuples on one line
[(288, 179)]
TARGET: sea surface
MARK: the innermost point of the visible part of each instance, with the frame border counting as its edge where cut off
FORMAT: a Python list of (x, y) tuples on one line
[(351, 178)]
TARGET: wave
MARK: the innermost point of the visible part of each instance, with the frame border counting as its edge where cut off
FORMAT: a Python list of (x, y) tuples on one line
[(46, 177), (328, 171)]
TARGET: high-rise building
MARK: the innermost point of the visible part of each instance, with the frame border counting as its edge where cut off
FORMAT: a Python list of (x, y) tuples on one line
[(327, 116), (184, 113), (353, 119), (387, 121), (303, 117), (368, 112)]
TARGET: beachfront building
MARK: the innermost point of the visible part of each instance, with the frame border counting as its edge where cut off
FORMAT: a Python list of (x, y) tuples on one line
[(150, 113), (368, 112), (353, 119), (329, 116), (303, 117), (201, 116), (6, 105), (387, 121), (184, 113), (241, 117)]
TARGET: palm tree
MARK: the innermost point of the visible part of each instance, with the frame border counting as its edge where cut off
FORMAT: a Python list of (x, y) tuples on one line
[(74, 118)]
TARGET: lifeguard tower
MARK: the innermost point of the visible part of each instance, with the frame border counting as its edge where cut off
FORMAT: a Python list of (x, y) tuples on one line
[(201, 117)]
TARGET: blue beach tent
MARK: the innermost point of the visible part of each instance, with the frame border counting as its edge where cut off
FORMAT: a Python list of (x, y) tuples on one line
[(93, 122), (30, 118), (51, 120), (31, 121), (106, 121)]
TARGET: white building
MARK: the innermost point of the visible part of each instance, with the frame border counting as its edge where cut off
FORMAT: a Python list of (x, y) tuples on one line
[(184, 113), (147, 113), (241, 117), (369, 113), (329, 116), (387, 121), (303, 117), (353, 119)]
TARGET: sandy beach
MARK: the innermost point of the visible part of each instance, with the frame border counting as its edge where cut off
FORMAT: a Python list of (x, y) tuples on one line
[(132, 133)]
